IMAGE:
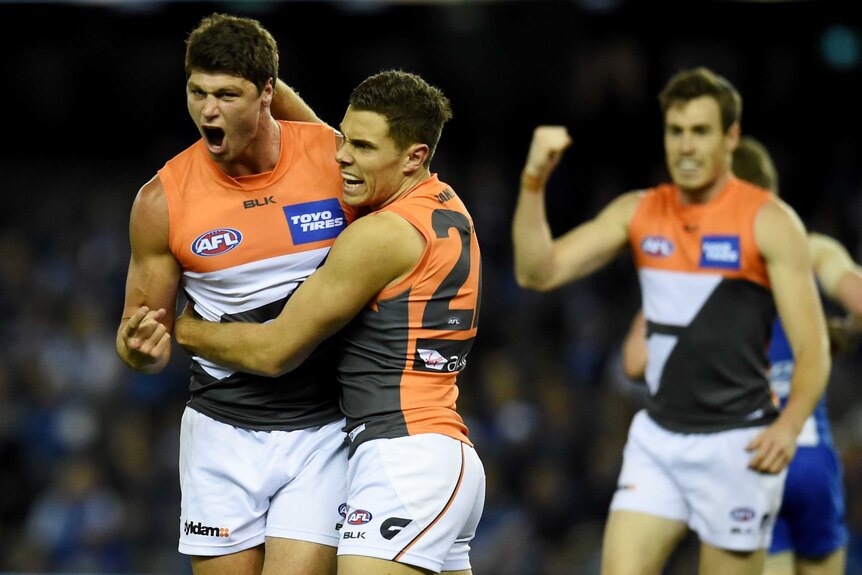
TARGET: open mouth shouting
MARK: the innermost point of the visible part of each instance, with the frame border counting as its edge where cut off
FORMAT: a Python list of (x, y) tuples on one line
[(214, 138)]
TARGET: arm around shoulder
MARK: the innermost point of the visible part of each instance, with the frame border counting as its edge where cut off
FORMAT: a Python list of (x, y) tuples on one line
[(288, 105)]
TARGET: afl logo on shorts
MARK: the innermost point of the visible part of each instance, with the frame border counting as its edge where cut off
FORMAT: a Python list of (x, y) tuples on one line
[(657, 246), (216, 242), (359, 517), (742, 514)]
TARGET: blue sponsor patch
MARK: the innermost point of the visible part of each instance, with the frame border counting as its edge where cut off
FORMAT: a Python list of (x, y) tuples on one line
[(658, 246), (720, 252), (315, 221), (216, 242)]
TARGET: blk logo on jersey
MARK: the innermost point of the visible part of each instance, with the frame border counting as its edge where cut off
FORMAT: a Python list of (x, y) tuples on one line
[(315, 221), (720, 252), (216, 242), (657, 246)]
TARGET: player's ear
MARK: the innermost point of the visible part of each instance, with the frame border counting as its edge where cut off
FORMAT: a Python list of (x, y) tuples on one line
[(415, 157)]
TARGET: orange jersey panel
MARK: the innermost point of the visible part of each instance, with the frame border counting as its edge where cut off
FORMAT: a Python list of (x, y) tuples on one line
[(665, 234)]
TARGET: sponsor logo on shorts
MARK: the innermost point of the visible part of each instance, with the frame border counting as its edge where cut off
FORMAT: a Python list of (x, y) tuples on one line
[(199, 528), (657, 246), (315, 221), (359, 517), (720, 252), (742, 514), (342, 510), (393, 526), (353, 535), (216, 242), (626, 487)]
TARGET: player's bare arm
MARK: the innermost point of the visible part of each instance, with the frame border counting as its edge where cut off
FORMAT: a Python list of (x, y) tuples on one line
[(151, 284), (635, 348), (288, 105), (781, 239), (371, 253), (541, 262)]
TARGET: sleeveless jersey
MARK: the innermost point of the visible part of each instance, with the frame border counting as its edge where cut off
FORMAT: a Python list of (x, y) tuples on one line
[(244, 245), (816, 429), (402, 354), (708, 306)]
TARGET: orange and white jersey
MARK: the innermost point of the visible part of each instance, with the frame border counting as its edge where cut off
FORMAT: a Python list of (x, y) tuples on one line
[(402, 354), (245, 244), (708, 306)]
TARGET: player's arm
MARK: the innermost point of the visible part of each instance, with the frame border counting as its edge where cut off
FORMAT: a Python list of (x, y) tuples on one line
[(151, 284), (841, 280), (635, 348), (543, 263), (287, 105), (369, 254), (836, 271), (781, 239)]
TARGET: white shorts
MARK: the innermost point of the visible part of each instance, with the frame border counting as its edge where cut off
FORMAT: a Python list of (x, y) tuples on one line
[(416, 500), (241, 486), (701, 479)]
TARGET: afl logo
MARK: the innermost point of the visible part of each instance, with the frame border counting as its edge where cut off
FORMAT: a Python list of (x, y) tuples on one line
[(742, 514), (657, 246), (359, 517), (216, 242)]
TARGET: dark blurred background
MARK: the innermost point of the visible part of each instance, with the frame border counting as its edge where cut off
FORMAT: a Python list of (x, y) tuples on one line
[(92, 103)]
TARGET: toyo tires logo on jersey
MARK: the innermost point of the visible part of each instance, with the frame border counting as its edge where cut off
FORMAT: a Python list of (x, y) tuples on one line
[(315, 221), (216, 242)]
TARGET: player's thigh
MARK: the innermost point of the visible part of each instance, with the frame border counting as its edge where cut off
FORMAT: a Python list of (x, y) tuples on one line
[(293, 557), (781, 563), (638, 543), (715, 561), (247, 562), (832, 564)]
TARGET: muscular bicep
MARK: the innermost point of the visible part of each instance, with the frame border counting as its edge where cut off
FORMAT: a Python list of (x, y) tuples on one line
[(154, 273)]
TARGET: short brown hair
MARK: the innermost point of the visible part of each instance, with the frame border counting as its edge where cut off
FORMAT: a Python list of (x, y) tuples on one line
[(415, 111), (752, 163), (232, 45), (690, 84)]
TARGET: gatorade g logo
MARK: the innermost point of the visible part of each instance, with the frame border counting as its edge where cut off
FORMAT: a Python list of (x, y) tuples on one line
[(216, 242), (315, 221), (720, 252)]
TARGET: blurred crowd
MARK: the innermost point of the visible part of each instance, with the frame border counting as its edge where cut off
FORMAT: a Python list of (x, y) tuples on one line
[(88, 448)]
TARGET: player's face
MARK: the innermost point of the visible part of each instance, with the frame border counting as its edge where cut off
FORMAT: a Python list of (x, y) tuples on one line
[(226, 110), (371, 164), (697, 149)]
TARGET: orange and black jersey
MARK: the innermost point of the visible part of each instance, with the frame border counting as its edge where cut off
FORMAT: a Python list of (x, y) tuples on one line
[(402, 354), (708, 306), (244, 245)]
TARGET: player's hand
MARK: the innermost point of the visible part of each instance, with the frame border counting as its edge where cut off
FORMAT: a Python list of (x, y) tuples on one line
[(146, 337), (546, 149), (772, 449)]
